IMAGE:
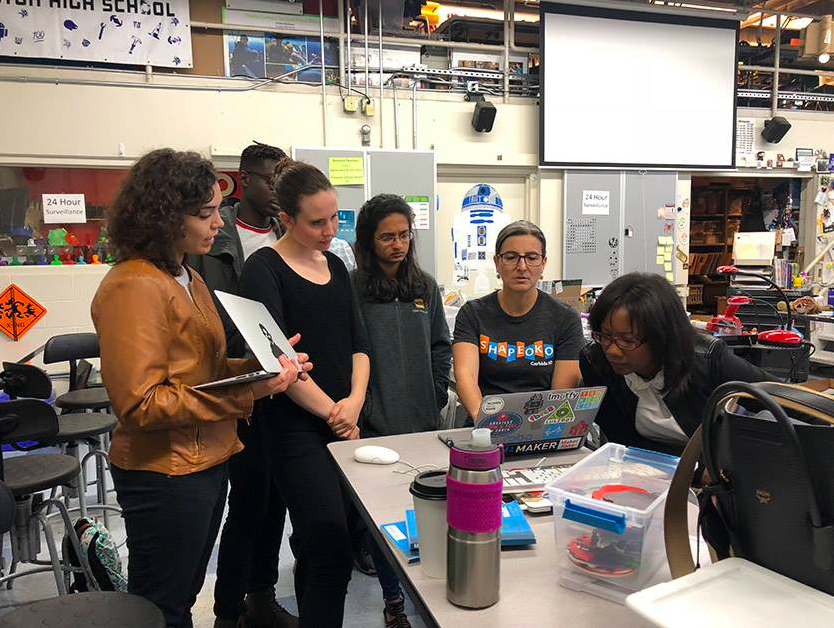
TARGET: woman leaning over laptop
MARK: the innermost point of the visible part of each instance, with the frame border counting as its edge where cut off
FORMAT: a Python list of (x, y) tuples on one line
[(160, 336), (659, 371), (518, 338)]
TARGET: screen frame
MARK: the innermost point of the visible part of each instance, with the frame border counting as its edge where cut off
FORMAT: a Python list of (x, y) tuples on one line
[(633, 16)]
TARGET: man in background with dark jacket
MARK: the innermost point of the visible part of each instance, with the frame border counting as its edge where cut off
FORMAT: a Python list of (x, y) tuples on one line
[(247, 563)]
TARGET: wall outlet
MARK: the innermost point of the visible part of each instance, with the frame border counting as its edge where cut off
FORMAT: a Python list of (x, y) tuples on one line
[(351, 104), (369, 107)]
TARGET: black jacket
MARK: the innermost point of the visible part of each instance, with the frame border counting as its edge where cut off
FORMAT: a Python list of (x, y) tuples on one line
[(220, 268), (714, 365)]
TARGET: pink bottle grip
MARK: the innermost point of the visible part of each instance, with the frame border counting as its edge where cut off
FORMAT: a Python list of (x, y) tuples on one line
[(473, 508)]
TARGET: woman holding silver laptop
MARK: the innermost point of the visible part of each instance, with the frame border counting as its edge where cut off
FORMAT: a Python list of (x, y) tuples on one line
[(518, 338), (160, 336)]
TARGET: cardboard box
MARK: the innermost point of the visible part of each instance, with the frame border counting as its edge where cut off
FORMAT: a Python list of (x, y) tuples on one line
[(571, 292), (825, 386)]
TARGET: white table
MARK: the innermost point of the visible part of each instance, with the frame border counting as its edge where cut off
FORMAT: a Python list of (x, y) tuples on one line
[(530, 594)]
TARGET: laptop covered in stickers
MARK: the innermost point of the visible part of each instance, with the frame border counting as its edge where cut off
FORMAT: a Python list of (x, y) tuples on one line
[(543, 421)]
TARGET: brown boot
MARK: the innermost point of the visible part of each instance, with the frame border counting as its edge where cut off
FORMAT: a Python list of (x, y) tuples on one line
[(264, 611)]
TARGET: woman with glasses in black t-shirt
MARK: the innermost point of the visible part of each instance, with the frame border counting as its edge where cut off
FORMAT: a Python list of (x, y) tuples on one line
[(518, 338)]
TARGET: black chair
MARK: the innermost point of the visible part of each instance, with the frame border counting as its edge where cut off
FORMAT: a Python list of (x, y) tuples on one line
[(27, 476), (75, 348), (81, 610), (25, 380)]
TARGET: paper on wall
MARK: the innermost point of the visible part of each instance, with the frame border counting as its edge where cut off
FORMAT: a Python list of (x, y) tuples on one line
[(64, 208), (346, 170), (420, 206), (595, 202)]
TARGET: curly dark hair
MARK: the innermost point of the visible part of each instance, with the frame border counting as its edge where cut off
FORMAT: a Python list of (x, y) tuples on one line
[(147, 215), (410, 282)]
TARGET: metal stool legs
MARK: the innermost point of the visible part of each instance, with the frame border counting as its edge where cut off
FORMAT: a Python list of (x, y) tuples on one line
[(102, 466), (30, 515)]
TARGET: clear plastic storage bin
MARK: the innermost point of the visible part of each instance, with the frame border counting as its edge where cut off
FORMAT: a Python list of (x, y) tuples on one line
[(608, 514)]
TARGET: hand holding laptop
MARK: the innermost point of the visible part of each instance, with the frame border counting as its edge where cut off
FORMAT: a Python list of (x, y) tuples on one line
[(287, 377)]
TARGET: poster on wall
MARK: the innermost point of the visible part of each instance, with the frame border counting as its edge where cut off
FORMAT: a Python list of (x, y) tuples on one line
[(134, 32), (267, 55)]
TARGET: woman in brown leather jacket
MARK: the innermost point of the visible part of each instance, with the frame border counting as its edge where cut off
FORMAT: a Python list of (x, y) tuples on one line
[(160, 336)]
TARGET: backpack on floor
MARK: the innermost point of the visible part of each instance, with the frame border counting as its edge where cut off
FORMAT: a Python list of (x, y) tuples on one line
[(102, 556)]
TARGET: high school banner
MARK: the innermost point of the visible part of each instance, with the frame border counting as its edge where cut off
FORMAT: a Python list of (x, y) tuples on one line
[(136, 32)]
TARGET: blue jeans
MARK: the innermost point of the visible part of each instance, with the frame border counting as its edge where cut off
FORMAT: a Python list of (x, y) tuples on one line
[(384, 571)]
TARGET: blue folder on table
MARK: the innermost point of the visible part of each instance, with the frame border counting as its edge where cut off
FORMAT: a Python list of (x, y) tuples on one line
[(515, 531)]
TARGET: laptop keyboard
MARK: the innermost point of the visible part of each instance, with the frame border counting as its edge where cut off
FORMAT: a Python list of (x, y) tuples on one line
[(531, 478)]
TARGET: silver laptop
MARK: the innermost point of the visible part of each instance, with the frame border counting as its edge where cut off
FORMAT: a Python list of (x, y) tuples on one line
[(533, 422), (262, 334)]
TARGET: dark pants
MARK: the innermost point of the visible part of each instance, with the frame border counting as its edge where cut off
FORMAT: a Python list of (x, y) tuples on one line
[(171, 524), (310, 485), (251, 539), (384, 571)]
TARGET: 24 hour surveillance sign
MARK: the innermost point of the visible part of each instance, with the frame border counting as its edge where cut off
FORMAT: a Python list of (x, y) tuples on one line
[(135, 32)]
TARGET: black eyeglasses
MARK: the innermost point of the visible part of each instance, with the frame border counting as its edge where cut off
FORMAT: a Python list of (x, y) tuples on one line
[(265, 177), (533, 260), (626, 342)]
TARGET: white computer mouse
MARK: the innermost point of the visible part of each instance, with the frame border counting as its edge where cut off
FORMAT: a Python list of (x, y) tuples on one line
[(372, 454)]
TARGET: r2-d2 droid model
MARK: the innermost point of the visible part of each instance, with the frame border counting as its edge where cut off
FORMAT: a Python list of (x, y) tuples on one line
[(474, 232)]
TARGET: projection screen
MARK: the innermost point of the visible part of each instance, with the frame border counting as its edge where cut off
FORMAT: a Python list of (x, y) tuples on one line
[(631, 89)]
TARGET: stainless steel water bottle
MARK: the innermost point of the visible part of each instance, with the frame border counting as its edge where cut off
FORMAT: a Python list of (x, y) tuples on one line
[(473, 512)]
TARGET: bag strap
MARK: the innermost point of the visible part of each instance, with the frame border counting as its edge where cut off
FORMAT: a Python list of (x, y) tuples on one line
[(675, 519), (800, 399)]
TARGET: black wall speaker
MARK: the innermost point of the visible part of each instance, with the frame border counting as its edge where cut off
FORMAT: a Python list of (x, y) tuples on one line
[(775, 129), (484, 116)]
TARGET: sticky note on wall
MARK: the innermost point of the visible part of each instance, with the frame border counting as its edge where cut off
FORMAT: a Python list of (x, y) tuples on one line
[(347, 170)]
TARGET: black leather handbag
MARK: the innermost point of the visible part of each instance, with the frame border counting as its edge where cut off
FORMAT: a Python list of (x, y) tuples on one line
[(768, 450)]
